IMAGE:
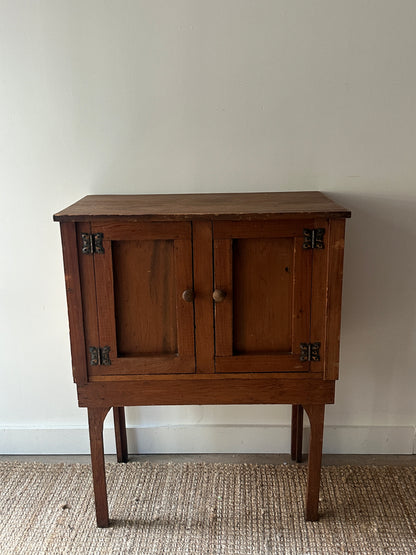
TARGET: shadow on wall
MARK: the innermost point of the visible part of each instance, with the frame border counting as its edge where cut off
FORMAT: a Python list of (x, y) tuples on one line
[(379, 299)]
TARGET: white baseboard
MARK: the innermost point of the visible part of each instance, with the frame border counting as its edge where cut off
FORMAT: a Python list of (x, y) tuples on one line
[(210, 439)]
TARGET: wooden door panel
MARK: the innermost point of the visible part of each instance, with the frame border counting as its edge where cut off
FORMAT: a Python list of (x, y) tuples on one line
[(266, 276), (262, 295), (144, 285), (142, 316)]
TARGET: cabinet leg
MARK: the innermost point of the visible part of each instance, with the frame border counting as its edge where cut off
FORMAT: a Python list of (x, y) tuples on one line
[(297, 433), (316, 418), (96, 416), (121, 436)]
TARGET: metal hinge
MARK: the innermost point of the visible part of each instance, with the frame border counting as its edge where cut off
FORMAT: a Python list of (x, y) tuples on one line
[(92, 243), (100, 356), (309, 352), (314, 238)]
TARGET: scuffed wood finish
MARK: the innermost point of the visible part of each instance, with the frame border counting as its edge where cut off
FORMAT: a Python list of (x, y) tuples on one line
[(74, 299), (210, 206)]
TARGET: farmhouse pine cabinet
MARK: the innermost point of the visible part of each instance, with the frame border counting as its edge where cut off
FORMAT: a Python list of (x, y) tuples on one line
[(204, 299)]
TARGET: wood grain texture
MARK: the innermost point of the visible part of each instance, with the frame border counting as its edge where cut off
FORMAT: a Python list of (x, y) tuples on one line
[(202, 376), (263, 295), (203, 206), (223, 311), (296, 433), (255, 229), (145, 297), (74, 302), (141, 313), (266, 312), (120, 230), (319, 296), (283, 362), (227, 391), (203, 285), (316, 418), (145, 365), (120, 434), (96, 416), (89, 299), (302, 284), (334, 300), (184, 310)]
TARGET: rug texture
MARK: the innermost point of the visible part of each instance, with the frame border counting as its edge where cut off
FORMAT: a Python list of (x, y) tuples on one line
[(196, 508)]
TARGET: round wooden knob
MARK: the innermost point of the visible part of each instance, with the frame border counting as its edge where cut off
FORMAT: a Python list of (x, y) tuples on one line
[(219, 295), (188, 295)]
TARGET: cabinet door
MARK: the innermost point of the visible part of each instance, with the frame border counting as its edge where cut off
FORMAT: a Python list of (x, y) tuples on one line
[(144, 322), (263, 279)]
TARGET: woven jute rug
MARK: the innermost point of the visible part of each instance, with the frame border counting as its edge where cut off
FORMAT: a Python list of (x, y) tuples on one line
[(195, 508)]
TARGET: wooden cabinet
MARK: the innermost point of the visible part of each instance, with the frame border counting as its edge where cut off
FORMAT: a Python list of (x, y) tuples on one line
[(204, 299)]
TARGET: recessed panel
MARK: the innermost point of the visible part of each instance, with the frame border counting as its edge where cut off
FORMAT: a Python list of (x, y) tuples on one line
[(262, 295), (144, 297)]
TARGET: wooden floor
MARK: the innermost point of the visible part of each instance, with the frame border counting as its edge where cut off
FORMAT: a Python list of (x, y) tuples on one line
[(327, 460)]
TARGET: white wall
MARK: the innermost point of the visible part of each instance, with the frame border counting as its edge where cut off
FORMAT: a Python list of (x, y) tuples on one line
[(220, 95)]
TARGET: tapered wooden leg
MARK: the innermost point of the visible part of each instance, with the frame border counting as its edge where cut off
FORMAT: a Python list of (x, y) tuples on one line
[(297, 433), (316, 418), (121, 436), (96, 416)]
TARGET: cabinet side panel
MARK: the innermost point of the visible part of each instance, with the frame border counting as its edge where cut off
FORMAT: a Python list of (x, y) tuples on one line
[(74, 300), (335, 269)]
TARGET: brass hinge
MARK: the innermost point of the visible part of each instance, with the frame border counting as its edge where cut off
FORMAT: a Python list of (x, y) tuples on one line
[(100, 356), (92, 243), (314, 238), (309, 352)]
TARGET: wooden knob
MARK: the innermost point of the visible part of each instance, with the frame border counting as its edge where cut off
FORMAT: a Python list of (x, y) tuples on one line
[(188, 295), (219, 295)]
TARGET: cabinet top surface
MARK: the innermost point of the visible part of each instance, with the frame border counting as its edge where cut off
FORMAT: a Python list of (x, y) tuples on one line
[(203, 206)]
